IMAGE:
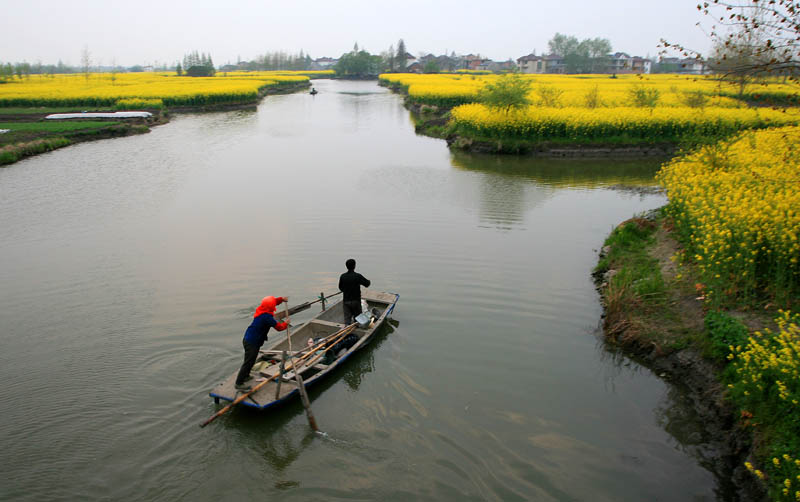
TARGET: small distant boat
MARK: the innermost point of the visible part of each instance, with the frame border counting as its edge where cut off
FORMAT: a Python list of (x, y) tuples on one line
[(332, 343), (313, 91)]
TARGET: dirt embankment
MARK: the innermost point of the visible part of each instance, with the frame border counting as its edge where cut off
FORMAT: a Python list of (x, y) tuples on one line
[(663, 343)]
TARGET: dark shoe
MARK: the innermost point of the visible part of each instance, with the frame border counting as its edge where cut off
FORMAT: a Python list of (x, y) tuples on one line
[(244, 386)]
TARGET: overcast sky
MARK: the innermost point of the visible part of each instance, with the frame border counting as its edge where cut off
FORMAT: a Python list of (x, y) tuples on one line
[(146, 31)]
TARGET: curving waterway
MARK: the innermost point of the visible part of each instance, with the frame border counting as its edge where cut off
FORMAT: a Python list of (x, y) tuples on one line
[(130, 268)]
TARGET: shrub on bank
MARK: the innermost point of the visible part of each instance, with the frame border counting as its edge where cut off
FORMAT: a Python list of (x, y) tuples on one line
[(763, 380), (736, 210), (139, 103)]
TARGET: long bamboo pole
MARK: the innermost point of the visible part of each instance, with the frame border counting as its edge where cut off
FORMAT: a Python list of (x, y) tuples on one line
[(300, 385), (329, 340)]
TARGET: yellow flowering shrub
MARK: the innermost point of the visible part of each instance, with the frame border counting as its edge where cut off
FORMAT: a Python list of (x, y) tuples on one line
[(138, 103), (766, 379), (736, 209), (584, 124)]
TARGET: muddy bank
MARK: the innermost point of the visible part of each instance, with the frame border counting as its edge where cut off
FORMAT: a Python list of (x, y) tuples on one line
[(549, 149), (666, 344)]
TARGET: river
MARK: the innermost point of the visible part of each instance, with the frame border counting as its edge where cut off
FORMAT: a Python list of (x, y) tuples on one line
[(131, 267)]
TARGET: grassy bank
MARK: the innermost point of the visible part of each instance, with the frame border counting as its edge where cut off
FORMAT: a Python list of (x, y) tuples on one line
[(713, 279), (25, 139)]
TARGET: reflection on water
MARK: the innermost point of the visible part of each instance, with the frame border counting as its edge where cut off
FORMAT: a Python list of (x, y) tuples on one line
[(511, 186), (363, 362), (565, 173)]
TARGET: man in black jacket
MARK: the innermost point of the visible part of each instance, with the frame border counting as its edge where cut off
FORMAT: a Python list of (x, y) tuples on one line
[(350, 284)]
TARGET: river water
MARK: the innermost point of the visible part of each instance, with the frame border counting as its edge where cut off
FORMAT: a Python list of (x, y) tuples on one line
[(131, 267)]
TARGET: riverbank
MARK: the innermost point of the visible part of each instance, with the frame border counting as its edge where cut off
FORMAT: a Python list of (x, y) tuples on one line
[(29, 134), (654, 315), (28, 137)]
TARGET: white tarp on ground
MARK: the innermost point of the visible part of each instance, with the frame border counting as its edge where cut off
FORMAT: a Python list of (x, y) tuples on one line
[(100, 115)]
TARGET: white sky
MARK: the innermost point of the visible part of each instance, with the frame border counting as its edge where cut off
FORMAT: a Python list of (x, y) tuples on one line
[(147, 31)]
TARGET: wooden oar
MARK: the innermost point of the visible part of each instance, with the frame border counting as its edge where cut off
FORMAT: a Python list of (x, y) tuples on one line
[(330, 338), (235, 402)]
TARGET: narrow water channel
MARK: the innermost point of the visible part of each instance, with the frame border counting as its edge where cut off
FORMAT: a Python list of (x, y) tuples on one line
[(130, 268)]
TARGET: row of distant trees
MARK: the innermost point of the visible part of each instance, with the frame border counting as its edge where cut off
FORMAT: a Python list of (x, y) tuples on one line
[(585, 56), (196, 65), (9, 71), (360, 63), (23, 70)]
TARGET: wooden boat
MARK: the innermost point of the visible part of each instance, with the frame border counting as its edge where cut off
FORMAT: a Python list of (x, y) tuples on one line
[(314, 362)]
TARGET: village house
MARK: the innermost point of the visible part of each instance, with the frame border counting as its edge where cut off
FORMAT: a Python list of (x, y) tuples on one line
[(496, 66), (322, 64), (552, 63), (691, 66)]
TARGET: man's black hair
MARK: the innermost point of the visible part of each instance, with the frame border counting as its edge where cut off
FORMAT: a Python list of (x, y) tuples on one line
[(350, 264)]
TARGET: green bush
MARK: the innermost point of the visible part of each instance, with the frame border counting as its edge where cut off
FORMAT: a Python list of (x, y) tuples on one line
[(724, 332)]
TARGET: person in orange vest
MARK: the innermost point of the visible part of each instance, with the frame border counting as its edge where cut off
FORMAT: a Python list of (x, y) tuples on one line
[(255, 336)]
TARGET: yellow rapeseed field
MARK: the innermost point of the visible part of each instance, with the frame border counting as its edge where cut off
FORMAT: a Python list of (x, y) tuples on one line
[(736, 207), (673, 90), (594, 108), (622, 123), (106, 89)]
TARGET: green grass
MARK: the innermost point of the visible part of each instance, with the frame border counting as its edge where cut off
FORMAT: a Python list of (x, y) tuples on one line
[(54, 126), (636, 296), (13, 153)]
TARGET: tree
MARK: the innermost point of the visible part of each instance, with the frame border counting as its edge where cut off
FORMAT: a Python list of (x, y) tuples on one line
[(6, 72), (588, 55), (431, 67), (507, 92), (113, 70), (178, 69), (599, 49), (387, 60), (400, 58), (198, 65), (86, 61), (563, 45), (751, 37), (360, 64)]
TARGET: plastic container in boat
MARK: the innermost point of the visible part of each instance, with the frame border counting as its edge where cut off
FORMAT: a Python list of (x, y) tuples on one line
[(363, 319)]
